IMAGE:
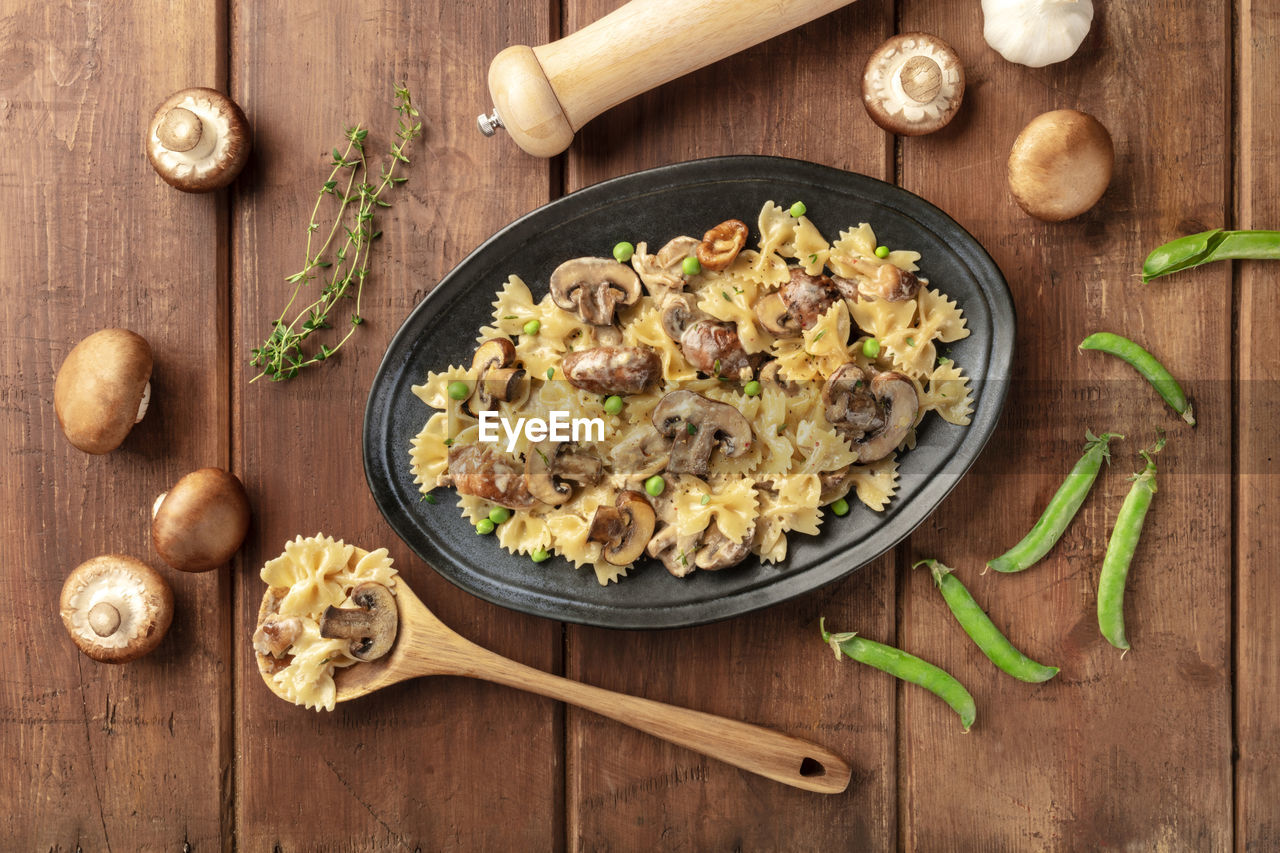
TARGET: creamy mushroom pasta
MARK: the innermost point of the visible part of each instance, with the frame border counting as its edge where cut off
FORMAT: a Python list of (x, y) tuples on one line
[(736, 393)]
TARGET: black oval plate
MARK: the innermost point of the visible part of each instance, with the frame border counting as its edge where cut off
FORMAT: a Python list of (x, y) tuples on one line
[(656, 205)]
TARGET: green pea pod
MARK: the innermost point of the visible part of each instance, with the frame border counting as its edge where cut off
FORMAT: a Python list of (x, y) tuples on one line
[(1061, 509), (1208, 246), (906, 666), (978, 625), (1120, 550), (1146, 364)]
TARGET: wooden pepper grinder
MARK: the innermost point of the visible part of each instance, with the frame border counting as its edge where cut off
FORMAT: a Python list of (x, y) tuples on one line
[(542, 95)]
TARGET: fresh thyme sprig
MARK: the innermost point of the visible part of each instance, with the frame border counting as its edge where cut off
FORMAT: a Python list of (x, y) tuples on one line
[(344, 270)]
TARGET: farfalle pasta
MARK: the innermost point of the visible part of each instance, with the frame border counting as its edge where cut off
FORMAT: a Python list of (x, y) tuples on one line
[(734, 402)]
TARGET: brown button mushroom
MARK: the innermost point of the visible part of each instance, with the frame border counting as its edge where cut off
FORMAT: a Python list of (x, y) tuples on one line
[(612, 370), (698, 426), (913, 84), (198, 140), (1060, 165), (549, 463), (370, 626), (623, 529), (875, 411), (594, 288), (497, 377), (116, 608), (103, 389), (199, 523)]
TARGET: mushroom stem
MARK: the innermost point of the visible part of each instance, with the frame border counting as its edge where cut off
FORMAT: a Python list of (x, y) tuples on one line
[(920, 79), (155, 507), (183, 132), (104, 619), (346, 624)]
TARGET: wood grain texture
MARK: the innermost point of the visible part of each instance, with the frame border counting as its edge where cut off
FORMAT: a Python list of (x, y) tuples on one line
[(95, 755), (1116, 752), (792, 96), (1257, 401), (443, 764)]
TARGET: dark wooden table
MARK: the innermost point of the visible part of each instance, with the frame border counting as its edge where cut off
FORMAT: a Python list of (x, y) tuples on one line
[(1172, 747)]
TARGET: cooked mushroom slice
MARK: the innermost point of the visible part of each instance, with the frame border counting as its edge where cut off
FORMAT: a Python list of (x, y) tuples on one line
[(623, 529), (201, 522), (663, 273), (722, 244), (594, 288), (849, 404), (676, 552), (612, 370), (116, 608), (913, 84), (198, 140), (698, 426), (798, 304), (497, 377), (102, 389), (549, 462), (715, 349), (717, 551), (884, 281), (485, 473), (639, 456), (678, 314), (835, 484), (371, 628), (874, 412), (276, 634)]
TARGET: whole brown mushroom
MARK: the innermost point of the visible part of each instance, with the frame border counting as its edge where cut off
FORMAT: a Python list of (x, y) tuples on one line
[(199, 140), (116, 608), (1060, 165), (103, 388), (202, 521)]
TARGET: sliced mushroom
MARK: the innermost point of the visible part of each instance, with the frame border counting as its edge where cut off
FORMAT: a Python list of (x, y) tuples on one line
[(275, 634), (875, 411), (371, 626), (798, 304), (485, 473), (201, 521), (913, 84), (663, 273), (612, 370), (835, 484), (722, 244), (199, 140), (102, 389), (715, 349), (116, 608), (639, 456), (676, 552), (679, 314), (623, 529), (698, 426), (883, 281), (717, 551), (497, 377), (594, 288), (548, 463)]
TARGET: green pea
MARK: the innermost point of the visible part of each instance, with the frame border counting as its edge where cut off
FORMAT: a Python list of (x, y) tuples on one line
[(623, 252), (752, 389), (655, 485), (532, 327), (1124, 541), (484, 527), (540, 555), (613, 405), (1146, 364), (978, 625), (499, 514), (840, 506), (459, 390), (871, 348), (691, 266), (906, 666), (551, 372), (882, 251), (798, 209)]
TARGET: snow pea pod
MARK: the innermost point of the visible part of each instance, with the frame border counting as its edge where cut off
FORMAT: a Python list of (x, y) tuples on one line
[(978, 625), (1124, 541), (906, 666), (1061, 509), (1208, 246), (1146, 364)]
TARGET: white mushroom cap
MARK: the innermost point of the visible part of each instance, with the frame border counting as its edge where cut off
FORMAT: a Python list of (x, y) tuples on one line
[(116, 608), (1060, 165), (913, 84), (198, 140), (102, 389)]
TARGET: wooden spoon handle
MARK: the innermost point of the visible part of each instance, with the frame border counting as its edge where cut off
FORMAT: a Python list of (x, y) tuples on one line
[(772, 754), (544, 94)]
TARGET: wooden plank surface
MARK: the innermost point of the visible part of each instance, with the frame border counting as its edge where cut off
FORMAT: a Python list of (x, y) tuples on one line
[(1257, 396), (1104, 755), (434, 765), (783, 97), (99, 756)]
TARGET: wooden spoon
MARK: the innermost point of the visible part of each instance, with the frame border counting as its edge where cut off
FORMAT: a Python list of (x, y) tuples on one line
[(426, 646)]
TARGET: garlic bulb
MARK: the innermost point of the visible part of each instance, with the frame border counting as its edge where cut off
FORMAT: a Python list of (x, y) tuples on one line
[(1036, 32)]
